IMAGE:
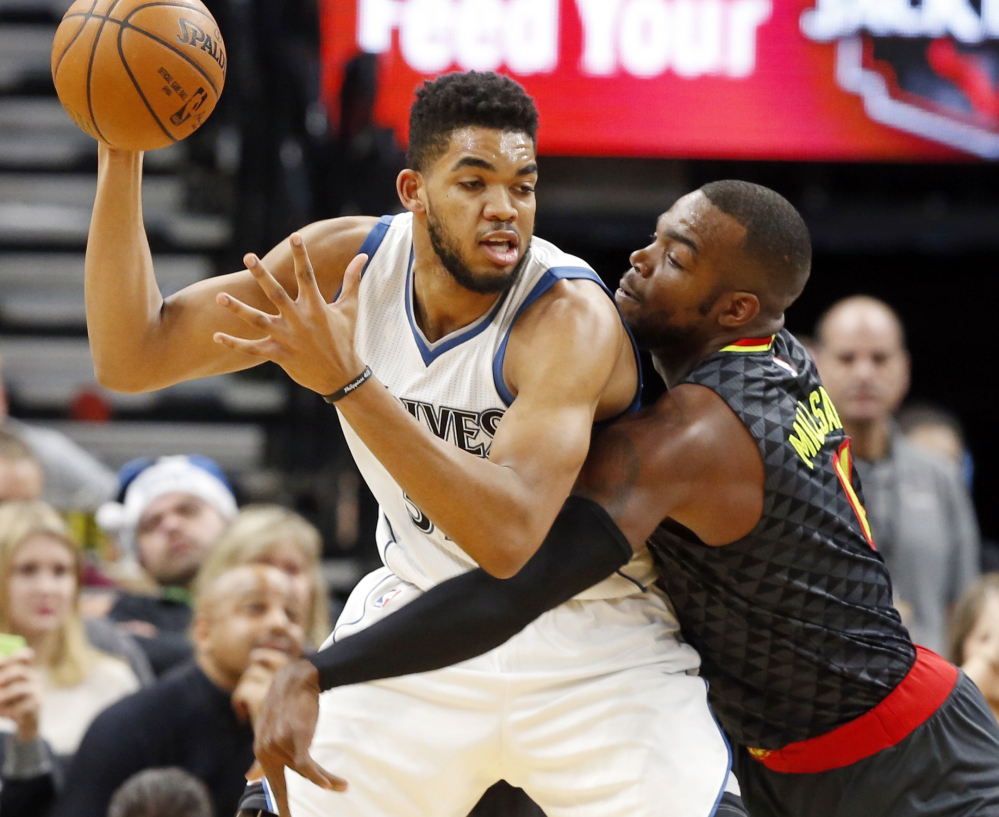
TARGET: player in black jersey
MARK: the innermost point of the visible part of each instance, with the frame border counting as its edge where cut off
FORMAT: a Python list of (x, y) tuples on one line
[(741, 482)]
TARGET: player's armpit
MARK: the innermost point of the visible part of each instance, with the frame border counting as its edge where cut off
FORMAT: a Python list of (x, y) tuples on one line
[(689, 458), (140, 342)]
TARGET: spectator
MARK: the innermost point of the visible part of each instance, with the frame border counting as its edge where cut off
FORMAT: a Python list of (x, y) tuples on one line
[(921, 515), (940, 432), (56, 686), (21, 476), (171, 513), (974, 637), (276, 536), (167, 792), (246, 626), (74, 479)]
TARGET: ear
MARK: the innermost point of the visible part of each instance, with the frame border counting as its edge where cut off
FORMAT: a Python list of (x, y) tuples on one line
[(201, 630), (409, 186), (738, 309)]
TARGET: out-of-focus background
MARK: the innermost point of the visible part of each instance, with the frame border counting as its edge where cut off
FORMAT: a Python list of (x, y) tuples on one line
[(879, 120)]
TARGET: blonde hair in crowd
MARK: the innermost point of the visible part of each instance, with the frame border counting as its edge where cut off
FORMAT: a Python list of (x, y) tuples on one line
[(72, 656), (248, 539), (967, 612)]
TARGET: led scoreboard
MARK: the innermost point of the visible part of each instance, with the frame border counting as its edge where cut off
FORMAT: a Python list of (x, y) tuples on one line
[(761, 79)]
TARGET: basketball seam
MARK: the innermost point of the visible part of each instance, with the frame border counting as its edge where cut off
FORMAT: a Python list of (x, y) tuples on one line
[(86, 14), (138, 88), (165, 44), (90, 69), (124, 23)]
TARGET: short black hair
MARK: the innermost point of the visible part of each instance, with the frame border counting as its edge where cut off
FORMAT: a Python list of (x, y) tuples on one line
[(461, 100), (776, 235)]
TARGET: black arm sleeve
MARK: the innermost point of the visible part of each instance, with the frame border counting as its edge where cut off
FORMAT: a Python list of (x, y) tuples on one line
[(475, 612)]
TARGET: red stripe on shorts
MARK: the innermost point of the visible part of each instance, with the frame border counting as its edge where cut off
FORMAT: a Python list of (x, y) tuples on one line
[(920, 694)]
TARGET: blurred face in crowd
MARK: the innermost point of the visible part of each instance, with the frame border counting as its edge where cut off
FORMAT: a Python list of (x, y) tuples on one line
[(941, 440), (175, 533), (20, 479), (982, 641), (290, 559), (479, 201), (42, 585), (247, 608), (862, 360)]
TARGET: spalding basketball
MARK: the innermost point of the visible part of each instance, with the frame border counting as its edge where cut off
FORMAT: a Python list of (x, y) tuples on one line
[(135, 74)]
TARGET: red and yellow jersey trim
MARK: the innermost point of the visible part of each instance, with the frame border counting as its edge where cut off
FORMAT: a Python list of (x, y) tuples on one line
[(750, 345), (842, 462)]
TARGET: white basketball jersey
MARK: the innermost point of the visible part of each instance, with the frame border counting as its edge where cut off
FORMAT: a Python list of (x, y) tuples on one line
[(454, 386)]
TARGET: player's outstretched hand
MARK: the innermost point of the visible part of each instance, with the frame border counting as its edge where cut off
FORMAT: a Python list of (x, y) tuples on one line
[(313, 341), (284, 729)]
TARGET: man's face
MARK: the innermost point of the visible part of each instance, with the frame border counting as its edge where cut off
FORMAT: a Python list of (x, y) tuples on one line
[(249, 607), (674, 283), (174, 535), (479, 199), (20, 479), (863, 363)]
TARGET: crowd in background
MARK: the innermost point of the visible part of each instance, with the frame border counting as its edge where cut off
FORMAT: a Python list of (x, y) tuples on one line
[(118, 672)]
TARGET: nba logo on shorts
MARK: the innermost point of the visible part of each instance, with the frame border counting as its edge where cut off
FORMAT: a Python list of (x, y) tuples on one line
[(381, 601)]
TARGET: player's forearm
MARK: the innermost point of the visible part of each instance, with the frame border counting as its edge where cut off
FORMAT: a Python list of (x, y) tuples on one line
[(491, 511), (122, 297), (475, 612)]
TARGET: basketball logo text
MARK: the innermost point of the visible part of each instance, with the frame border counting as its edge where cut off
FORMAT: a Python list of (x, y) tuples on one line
[(196, 37)]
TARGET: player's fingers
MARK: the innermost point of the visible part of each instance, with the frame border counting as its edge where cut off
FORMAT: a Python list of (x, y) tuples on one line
[(310, 770), (304, 273), (275, 293), (255, 773), (352, 280), (258, 348), (252, 316), (274, 782)]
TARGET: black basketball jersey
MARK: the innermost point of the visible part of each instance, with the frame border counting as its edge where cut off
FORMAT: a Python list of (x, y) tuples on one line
[(794, 622)]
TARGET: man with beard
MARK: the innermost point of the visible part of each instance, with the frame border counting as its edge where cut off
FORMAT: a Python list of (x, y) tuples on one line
[(493, 354), (740, 479)]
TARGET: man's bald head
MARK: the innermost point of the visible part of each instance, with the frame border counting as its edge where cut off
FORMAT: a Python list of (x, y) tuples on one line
[(860, 313), (862, 359)]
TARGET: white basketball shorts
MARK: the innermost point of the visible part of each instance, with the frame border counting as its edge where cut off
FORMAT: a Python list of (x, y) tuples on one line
[(592, 710)]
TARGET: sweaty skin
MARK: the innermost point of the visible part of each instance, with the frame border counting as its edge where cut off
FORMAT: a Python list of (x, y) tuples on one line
[(569, 360)]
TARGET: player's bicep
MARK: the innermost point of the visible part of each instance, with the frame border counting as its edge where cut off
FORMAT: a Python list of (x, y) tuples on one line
[(193, 316)]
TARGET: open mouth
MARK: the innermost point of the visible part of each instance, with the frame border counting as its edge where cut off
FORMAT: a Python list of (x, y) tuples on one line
[(501, 251)]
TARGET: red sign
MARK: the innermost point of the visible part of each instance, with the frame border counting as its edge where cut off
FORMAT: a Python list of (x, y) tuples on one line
[(761, 79)]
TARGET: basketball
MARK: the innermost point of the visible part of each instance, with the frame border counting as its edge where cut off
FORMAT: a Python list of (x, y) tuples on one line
[(138, 75)]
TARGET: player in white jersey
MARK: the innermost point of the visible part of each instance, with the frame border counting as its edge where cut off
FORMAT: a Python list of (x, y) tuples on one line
[(492, 354)]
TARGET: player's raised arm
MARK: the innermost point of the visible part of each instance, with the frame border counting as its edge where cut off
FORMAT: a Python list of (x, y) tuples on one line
[(140, 341)]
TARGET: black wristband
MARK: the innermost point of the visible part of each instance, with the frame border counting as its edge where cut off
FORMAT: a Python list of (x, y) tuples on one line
[(339, 394)]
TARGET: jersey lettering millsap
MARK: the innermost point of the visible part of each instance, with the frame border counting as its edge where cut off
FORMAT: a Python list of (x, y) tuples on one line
[(453, 386), (794, 622)]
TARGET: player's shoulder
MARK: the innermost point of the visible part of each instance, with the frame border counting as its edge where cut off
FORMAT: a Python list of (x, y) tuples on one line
[(575, 299), (337, 240), (700, 419)]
